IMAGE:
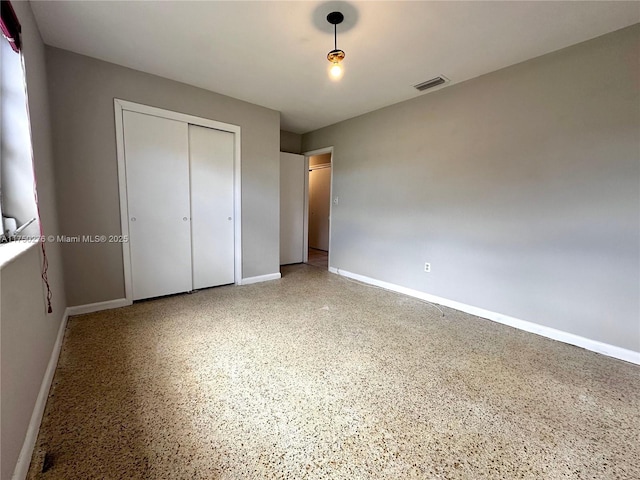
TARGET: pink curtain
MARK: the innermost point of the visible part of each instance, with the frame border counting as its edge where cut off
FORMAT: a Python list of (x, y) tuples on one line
[(10, 25)]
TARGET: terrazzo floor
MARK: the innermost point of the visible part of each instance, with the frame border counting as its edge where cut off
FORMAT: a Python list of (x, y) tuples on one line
[(317, 377)]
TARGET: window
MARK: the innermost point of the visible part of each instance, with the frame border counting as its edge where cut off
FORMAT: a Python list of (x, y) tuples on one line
[(17, 200)]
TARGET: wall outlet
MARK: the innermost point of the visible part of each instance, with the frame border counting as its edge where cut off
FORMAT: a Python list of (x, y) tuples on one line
[(427, 267)]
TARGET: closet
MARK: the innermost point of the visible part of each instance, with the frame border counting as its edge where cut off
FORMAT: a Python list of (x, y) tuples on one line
[(180, 205)]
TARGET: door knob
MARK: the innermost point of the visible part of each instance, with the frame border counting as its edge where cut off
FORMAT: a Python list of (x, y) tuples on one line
[(133, 219), (228, 218), (185, 218)]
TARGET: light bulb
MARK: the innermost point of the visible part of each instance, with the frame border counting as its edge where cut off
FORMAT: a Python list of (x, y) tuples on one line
[(336, 70)]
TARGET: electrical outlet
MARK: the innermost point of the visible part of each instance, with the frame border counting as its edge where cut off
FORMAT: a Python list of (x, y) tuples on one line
[(427, 267)]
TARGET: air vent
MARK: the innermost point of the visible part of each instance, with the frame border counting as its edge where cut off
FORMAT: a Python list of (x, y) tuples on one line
[(434, 82)]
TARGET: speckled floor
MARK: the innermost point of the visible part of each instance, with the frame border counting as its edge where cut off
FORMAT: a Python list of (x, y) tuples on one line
[(317, 377)]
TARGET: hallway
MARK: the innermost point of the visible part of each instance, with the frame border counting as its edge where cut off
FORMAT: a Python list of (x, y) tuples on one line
[(318, 258)]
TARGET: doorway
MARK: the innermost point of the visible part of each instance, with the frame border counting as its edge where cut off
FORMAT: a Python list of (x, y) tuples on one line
[(319, 209)]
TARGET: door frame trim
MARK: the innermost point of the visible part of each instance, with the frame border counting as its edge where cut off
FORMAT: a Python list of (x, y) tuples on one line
[(319, 151), (123, 105)]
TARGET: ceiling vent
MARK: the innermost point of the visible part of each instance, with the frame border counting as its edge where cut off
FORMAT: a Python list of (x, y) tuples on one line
[(434, 82)]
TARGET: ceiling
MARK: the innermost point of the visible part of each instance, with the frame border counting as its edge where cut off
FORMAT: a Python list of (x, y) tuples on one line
[(273, 53)]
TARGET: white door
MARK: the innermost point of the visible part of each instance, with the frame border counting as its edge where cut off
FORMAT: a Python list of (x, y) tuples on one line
[(157, 176), (292, 176), (211, 154), (319, 205)]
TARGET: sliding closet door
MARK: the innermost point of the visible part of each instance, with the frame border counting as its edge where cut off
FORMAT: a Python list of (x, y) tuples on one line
[(157, 174), (211, 154)]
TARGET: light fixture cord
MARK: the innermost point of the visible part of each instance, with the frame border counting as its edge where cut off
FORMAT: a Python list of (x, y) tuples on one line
[(335, 36)]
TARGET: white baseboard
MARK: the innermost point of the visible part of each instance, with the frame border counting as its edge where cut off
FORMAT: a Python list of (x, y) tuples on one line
[(24, 459), (260, 278), (96, 307), (566, 337)]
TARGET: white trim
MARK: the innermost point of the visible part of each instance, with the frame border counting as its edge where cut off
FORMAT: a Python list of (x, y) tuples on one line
[(237, 207), (319, 151), (122, 105), (565, 337), (180, 117), (305, 220), (261, 278), (122, 190), (330, 210), (24, 459), (96, 307)]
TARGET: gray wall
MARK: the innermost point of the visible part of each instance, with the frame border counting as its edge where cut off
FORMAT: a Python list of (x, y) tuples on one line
[(290, 142), (521, 187), (28, 333), (82, 91)]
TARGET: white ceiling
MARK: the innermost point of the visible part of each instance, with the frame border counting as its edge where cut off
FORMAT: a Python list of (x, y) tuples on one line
[(273, 53)]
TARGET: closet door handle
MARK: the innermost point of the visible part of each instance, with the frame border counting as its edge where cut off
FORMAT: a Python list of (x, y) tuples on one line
[(185, 218), (133, 219)]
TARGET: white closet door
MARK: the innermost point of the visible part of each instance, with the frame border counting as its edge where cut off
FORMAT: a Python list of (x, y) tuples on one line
[(212, 233), (157, 172), (291, 208)]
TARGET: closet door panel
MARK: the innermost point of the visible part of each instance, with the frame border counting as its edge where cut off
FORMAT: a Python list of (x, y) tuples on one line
[(157, 175), (212, 227)]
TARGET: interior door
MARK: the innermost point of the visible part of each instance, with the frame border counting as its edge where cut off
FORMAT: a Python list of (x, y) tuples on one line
[(157, 176), (292, 176), (319, 206), (211, 154)]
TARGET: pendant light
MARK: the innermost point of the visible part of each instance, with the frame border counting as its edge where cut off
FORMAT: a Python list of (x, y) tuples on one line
[(335, 56)]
